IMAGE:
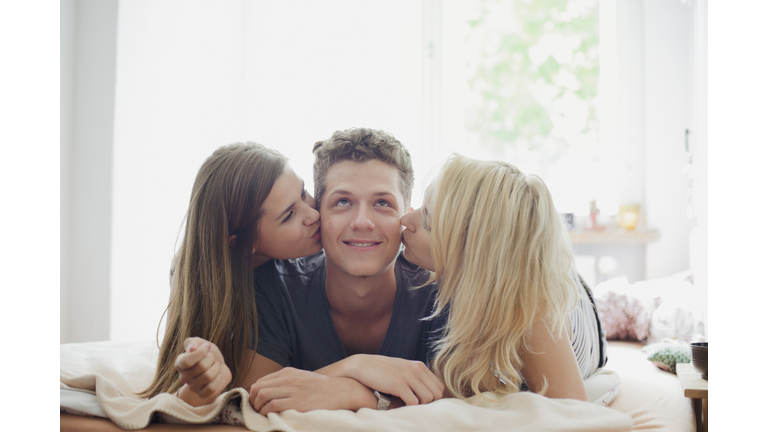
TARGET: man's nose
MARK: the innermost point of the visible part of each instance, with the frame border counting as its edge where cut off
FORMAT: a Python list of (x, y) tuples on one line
[(362, 220)]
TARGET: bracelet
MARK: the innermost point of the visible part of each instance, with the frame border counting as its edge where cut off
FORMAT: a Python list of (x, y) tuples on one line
[(383, 400)]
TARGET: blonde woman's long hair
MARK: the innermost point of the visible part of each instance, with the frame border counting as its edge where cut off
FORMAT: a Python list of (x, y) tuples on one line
[(503, 260), (214, 296)]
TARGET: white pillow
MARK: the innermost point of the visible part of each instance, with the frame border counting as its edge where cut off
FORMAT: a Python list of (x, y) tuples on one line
[(603, 386), (678, 316)]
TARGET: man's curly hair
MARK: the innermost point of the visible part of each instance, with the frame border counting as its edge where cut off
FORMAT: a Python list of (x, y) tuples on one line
[(361, 145)]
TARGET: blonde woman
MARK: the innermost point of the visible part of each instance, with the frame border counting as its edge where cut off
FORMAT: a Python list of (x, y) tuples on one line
[(516, 314), (247, 207)]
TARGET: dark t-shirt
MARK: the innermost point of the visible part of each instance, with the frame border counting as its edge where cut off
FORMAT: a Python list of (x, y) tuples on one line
[(295, 326)]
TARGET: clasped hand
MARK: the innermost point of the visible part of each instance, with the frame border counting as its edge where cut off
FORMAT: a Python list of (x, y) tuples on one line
[(303, 391), (203, 372), (410, 380), (346, 384)]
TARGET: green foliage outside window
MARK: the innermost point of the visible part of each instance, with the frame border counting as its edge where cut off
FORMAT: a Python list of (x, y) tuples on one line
[(535, 74)]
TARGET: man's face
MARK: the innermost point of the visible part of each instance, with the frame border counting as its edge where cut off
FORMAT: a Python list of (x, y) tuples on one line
[(360, 215)]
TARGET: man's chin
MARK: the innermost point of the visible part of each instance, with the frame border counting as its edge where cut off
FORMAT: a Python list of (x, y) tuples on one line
[(363, 273)]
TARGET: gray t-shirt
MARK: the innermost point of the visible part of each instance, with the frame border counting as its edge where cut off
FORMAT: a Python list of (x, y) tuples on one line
[(295, 326)]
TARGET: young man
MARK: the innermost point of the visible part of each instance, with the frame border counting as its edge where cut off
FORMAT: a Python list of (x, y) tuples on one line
[(343, 328)]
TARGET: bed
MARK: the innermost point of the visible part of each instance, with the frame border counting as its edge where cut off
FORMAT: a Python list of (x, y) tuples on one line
[(99, 379)]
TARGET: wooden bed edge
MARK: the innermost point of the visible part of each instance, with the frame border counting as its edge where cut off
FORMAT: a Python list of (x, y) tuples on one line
[(74, 423)]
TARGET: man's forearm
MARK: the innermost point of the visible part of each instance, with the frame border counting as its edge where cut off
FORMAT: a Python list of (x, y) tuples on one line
[(343, 368), (303, 391), (409, 380)]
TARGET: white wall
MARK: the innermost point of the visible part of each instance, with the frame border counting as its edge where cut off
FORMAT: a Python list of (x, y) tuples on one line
[(667, 71), (651, 88), (179, 97), (630, 23), (88, 56), (699, 141), (66, 102)]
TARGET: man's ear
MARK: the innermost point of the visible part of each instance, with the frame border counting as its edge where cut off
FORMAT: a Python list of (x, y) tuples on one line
[(232, 241), (410, 209)]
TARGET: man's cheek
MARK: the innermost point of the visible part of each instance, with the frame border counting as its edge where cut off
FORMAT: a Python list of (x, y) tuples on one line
[(327, 226), (393, 225)]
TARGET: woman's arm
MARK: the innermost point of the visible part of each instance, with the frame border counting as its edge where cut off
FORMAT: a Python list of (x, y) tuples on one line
[(552, 359)]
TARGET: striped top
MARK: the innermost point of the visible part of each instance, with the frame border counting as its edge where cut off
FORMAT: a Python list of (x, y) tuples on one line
[(585, 335)]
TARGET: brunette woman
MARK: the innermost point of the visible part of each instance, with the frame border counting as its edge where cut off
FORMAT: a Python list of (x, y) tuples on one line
[(247, 207)]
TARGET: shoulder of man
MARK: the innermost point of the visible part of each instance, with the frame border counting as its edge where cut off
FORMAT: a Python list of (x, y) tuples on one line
[(288, 272), (300, 266), (412, 275), (410, 270)]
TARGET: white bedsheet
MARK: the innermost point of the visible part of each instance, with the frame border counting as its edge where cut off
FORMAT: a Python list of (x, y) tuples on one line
[(117, 371), (654, 398)]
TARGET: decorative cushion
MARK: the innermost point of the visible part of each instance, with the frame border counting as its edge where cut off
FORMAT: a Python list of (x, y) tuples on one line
[(650, 310), (625, 310), (665, 355)]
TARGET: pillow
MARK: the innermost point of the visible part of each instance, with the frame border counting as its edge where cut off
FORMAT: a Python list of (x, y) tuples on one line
[(678, 316), (665, 355), (602, 386), (625, 310), (652, 310)]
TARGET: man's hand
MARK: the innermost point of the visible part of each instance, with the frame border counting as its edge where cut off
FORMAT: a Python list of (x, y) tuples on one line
[(202, 369), (409, 380), (304, 391)]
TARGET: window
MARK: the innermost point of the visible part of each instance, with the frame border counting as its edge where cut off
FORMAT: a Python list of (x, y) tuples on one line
[(520, 83)]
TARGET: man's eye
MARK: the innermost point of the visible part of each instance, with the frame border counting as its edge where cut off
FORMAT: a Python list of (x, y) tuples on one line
[(342, 202), (382, 203)]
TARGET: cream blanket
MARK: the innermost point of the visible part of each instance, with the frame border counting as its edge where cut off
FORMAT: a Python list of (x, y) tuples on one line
[(116, 371)]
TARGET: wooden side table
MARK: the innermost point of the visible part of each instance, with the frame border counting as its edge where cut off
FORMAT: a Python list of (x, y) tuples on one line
[(694, 387)]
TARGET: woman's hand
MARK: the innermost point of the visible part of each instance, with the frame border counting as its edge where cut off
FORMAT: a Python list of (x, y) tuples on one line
[(202, 369), (304, 391), (409, 380)]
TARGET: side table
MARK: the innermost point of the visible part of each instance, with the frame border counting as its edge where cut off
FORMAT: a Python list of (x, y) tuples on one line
[(694, 387)]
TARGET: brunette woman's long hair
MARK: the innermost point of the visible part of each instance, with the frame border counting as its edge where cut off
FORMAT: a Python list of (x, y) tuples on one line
[(213, 297)]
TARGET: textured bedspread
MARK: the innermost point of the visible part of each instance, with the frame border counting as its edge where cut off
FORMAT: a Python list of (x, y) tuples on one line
[(654, 398), (117, 371)]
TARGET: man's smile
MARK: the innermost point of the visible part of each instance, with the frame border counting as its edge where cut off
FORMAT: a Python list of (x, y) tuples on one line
[(361, 243)]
